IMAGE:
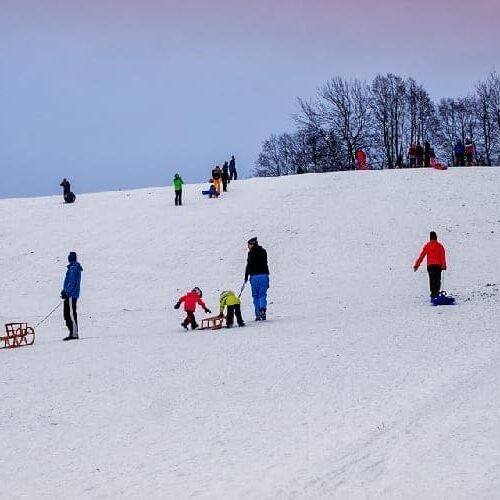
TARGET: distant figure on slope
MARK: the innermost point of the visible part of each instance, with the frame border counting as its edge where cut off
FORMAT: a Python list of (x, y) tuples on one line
[(419, 155), (258, 271), (360, 156), (469, 152), (229, 299), (459, 151), (436, 262), (225, 176), (69, 197), (412, 155), (232, 169), (211, 192), (178, 182), (70, 294), (217, 177), (191, 300), (427, 154)]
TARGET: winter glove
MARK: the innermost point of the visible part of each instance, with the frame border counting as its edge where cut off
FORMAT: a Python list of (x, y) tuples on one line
[(415, 268), (207, 310), (177, 305), (64, 295)]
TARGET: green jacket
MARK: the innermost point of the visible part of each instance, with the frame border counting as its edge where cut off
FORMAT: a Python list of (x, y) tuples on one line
[(178, 182), (228, 298)]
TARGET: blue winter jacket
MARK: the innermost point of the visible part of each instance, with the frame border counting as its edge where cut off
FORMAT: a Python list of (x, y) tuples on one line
[(72, 280)]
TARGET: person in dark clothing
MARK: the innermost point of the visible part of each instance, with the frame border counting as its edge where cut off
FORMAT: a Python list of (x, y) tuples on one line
[(225, 176), (436, 262), (459, 154), (69, 197), (427, 154), (258, 271), (70, 294), (232, 169), (419, 154)]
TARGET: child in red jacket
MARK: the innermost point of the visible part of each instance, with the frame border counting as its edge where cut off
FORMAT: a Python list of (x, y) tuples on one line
[(191, 299)]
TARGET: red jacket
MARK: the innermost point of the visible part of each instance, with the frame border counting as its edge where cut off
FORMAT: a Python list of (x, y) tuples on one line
[(435, 255), (190, 300)]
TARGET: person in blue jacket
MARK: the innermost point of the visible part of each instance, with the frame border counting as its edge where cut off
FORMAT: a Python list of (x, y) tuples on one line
[(70, 294)]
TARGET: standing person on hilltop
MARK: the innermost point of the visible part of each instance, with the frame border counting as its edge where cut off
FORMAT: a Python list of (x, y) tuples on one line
[(419, 155), (469, 152), (217, 178), (68, 196), (70, 294), (225, 176), (178, 183), (360, 156), (436, 262), (459, 151), (258, 271), (427, 154), (412, 155), (232, 169)]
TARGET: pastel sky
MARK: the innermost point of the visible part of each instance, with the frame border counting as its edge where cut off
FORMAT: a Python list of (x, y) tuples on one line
[(117, 94)]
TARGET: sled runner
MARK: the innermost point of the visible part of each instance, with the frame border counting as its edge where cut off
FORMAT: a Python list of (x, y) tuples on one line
[(442, 300), (212, 323), (17, 335)]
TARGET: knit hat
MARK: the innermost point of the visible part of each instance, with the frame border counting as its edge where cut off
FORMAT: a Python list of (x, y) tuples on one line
[(253, 241), (197, 291), (72, 257), (433, 235)]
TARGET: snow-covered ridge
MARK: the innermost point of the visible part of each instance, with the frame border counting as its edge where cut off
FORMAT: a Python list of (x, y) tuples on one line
[(354, 388)]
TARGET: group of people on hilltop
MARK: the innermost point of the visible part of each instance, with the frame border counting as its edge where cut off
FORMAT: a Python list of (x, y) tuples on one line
[(464, 153), (219, 180), (221, 177)]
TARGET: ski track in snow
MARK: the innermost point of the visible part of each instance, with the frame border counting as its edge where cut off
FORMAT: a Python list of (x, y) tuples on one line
[(355, 388)]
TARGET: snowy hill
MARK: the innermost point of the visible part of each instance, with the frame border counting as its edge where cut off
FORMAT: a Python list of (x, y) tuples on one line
[(354, 388)]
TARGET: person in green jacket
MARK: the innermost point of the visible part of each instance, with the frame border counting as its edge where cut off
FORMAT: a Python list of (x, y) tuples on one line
[(178, 182), (228, 299)]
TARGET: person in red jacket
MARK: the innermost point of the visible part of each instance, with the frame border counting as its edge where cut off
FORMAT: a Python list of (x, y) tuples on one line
[(360, 156), (436, 262), (191, 299)]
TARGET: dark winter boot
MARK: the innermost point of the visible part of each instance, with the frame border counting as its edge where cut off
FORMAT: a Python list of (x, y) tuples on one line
[(241, 324), (263, 314), (194, 326), (184, 326), (69, 337)]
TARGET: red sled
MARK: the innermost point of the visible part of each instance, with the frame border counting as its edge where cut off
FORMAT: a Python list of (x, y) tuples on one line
[(437, 165), (17, 335)]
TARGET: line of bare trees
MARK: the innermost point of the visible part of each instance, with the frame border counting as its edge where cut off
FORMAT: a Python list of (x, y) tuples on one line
[(383, 118)]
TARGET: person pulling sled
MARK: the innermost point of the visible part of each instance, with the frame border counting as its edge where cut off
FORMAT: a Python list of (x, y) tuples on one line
[(436, 262), (70, 294)]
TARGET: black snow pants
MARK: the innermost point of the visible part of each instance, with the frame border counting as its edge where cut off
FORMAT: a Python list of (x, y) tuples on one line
[(233, 311), (178, 197), (70, 316), (434, 280)]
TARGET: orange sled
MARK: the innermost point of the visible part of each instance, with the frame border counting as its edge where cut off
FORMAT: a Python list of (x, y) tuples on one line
[(17, 335)]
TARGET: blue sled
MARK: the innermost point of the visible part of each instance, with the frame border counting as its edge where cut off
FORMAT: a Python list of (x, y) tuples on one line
[(211, 193), (442, 300)]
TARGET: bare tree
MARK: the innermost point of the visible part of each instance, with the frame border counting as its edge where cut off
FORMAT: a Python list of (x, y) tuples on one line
[(389, 105), (345, 108)]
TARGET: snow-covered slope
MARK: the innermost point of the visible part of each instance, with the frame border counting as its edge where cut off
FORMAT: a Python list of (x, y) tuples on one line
[(354, 388)]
